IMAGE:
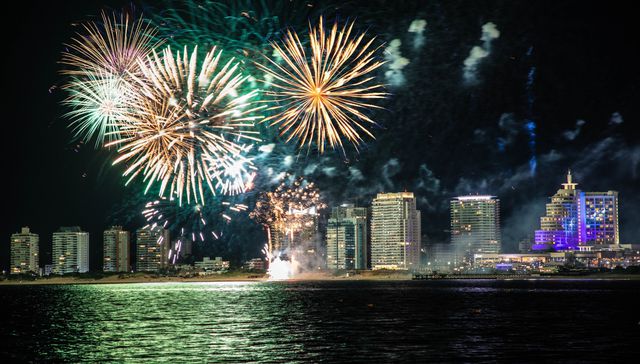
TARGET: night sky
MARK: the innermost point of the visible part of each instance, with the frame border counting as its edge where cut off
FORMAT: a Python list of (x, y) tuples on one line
[(565, 71)]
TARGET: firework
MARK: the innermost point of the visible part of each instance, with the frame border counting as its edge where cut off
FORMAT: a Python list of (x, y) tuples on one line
[(245, 26), (111, 47), (99, 62), (188, 223), (186, 129), (287, 210), (96, 107), (320, 94)]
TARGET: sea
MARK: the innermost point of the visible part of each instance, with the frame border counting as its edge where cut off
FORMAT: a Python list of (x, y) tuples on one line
[(569, 321)]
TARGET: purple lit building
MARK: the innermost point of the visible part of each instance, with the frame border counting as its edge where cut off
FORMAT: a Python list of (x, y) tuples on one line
[(576, 218)]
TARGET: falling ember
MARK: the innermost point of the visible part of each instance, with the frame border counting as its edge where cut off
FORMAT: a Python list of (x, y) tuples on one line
[(320, 94)]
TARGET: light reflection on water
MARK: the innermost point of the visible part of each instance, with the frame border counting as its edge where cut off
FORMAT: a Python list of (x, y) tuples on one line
[(317, 321)]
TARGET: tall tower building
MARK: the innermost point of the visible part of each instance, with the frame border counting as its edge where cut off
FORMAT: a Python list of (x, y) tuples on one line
[(475, 224), (601, 218), (70, 250), (116, 244), (24, 251), (347, 238), (395, 231), (152, 249)]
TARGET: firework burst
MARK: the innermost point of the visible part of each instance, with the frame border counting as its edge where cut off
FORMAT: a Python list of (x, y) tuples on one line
[(99, 62), (287, 209), (321, 94), (111, 47), (186, 129), (96, 105)]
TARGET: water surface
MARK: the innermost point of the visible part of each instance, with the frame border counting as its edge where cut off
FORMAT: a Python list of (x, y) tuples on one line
[(327, 321)]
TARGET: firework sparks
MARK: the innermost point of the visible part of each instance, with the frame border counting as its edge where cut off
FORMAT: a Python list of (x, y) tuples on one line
[(320, 94), (96, 106), (185, 128), (99, 61), (191, 223), (111, 47), (287, 210)]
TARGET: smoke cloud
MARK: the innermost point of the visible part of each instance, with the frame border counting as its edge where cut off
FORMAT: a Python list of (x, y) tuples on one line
[(478, 53)]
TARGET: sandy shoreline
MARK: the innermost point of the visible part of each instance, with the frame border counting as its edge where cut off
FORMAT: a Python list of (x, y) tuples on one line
[(301, 277)]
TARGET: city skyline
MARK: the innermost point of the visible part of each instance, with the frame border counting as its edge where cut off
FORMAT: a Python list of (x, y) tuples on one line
[(475, 231)]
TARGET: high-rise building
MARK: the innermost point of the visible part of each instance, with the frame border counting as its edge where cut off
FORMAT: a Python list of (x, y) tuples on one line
[(575, 218), (347, 238), (70, 250), (475, 224), (601, 218), (116, 245), (395, 231), (24, 251), (152, 249)]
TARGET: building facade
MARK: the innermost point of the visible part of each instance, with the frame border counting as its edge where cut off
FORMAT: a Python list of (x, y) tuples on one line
[(601, 218), (475, 224), (347, 238), (152, 249), (115, 249), (24, 251), (395, 231), (70, 250), (574, 218)]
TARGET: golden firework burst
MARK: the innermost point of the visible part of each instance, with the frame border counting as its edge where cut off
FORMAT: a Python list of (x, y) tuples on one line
[(322, 94)]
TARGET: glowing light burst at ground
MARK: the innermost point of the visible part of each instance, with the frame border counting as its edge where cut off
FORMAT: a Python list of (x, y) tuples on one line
[(184, 128), (279, 269), (320, 95)]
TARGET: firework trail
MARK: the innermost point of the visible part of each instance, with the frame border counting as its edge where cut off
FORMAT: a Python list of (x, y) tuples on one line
[(184, 128), (319, 95)]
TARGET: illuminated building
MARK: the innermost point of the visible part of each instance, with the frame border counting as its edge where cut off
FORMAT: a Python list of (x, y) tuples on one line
[(574, 218), (208, 264), (70, 250), (347, 238), (152, 249), (563, 225), (116, 244), (24, 251), (395, 231), (601, 218), (475, 224)]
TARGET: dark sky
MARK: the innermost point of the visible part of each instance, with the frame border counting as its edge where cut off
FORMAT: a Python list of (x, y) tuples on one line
[(568, 66)]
